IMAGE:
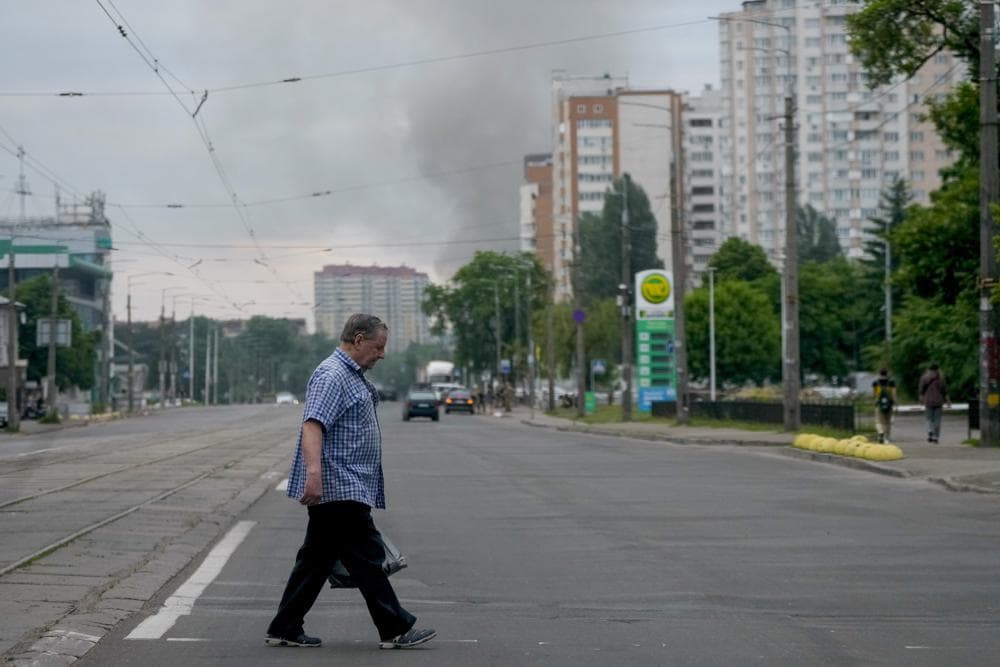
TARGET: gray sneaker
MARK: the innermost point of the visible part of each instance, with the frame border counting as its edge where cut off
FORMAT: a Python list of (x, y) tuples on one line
[(301, 640), (409, 639)]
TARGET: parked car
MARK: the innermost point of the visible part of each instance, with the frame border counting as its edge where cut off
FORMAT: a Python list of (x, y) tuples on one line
[(459, 400), (285, 398), (420, 403), (442, 389), (3, 414)]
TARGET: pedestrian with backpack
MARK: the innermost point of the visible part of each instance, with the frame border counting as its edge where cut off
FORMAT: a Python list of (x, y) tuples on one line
[(884, 392), (933, 394)]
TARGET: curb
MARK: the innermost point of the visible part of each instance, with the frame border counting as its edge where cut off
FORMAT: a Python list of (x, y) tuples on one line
[(656, 437), (785, 449), (846, 461)]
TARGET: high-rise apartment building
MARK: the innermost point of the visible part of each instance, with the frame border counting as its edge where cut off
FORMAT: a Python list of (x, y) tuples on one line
[(602, 130), (703, 184), (393, 293), (851, 142)]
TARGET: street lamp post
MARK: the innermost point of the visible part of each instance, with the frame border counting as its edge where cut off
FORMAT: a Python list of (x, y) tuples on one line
[(790, 275), (162, 367), (711, 333), (131, 340)]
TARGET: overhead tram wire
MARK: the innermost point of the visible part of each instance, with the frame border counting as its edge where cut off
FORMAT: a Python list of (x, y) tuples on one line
[(334, 191), (360, 70), (50, 175), (154, 64)]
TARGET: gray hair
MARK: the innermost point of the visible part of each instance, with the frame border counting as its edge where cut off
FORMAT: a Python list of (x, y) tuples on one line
[(360, 323)]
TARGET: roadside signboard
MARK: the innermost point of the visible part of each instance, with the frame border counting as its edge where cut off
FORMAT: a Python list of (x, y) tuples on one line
[(654, 331)]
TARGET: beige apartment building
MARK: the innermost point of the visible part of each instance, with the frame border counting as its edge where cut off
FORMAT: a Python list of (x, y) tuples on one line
[(602, 130)]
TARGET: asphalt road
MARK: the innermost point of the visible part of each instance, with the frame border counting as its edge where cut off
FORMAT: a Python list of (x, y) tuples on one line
[(528, 546)]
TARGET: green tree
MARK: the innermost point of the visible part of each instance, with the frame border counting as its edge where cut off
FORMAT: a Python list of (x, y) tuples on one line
[(937, 245), (825, 344), (737, 259), (75, 365), (817, 236), (467, 307), (601, 236), (926, 332), (872, 274), (938, 248), (896, 37), (747, 333)]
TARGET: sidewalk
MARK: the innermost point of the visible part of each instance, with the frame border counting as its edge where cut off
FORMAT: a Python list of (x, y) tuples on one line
[(949, 463)]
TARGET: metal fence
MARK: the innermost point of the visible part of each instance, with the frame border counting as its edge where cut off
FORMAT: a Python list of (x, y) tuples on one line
[(838, 414)]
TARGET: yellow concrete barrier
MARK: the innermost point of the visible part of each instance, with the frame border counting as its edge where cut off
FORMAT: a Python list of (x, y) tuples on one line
[(857, 446)]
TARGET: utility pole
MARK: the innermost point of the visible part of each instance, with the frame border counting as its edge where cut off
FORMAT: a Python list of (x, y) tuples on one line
[(191, 354), (13, 407), (50, 369), (550, 343), (711, 334), (532, 361), (578, 317), (108, 341), (517, 331), (162, 366), (888, 288), (496, 330), (989, 193), (172, 361), (215, 368), (678, 255), (626, 291), (131, 352), (208, 363), (790, 364)]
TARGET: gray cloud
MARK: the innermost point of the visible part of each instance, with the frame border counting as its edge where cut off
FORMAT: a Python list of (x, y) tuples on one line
[(368, 136)]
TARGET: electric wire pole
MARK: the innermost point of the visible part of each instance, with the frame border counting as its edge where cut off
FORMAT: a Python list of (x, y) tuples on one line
[(790, 363), (989, 193), (13, 407), (678, 257), (626, 292), (578, 318)]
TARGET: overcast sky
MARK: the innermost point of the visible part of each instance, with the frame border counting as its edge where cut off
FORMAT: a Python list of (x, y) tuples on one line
[(414, 115)]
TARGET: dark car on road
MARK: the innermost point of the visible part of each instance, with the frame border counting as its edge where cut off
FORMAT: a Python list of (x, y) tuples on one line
[(420, 403), (459, 400)]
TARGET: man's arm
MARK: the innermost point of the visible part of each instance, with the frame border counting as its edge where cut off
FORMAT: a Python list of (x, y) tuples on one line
[(312, 448)]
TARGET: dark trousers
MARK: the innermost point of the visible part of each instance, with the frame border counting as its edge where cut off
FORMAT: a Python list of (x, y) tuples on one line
[(343, 530)]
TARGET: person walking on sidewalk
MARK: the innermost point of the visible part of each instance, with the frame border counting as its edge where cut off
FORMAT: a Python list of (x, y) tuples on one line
[(337, 474), (884, 392), (933, 395)]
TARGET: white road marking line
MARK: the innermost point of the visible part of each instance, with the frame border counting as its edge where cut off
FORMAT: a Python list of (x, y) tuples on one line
[(282, 485), (39, 451), (182, 601)]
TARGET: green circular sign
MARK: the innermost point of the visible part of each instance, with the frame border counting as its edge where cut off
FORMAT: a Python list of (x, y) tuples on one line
[(655, 288)]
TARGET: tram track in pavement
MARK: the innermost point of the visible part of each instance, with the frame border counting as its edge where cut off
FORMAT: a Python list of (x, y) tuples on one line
[(121, 513), (49, 548), (27, 503)]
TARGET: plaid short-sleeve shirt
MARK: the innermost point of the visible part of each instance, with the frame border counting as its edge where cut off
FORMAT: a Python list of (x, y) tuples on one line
[(343, 402)]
